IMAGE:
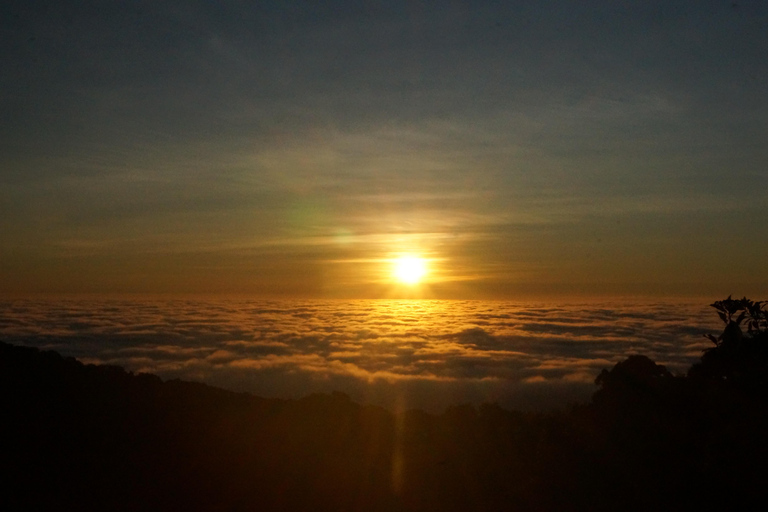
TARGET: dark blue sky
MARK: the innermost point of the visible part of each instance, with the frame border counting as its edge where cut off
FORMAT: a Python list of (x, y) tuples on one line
[(291, 148)]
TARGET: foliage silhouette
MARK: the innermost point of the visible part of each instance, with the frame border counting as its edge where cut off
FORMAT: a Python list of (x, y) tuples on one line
[(738, 358), (753, 312), (82, 437)]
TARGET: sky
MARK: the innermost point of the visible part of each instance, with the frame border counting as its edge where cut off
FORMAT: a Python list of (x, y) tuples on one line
[(294, 149)]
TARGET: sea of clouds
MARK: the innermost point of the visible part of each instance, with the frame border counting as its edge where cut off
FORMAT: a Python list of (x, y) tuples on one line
[(399, 354)]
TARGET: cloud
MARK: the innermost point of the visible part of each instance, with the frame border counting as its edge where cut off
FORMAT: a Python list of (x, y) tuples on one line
[(433, 352)]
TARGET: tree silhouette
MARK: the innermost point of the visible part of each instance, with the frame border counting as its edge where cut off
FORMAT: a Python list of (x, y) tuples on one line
[(738, 358)]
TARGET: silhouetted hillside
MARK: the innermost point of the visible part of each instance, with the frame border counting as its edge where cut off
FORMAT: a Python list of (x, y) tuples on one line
[(81, 437)]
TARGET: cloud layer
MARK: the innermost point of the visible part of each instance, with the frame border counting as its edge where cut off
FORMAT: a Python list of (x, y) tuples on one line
[(401, 354)]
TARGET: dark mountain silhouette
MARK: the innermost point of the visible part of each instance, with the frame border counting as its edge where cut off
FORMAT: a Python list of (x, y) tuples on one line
[(83, 437)]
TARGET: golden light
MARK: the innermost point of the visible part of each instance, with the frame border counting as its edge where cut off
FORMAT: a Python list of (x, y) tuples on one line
[(410, 269)]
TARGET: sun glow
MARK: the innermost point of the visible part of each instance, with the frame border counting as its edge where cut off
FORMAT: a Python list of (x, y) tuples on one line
[(410, 269)]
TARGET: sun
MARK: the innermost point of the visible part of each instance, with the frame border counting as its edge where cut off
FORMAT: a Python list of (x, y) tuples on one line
[(410, 269)]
